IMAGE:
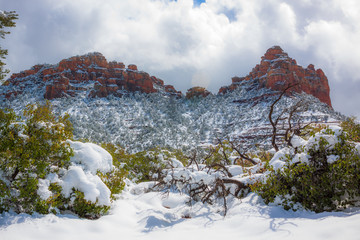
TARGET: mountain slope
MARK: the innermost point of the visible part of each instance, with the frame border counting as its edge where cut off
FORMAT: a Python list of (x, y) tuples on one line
[(111, 103)]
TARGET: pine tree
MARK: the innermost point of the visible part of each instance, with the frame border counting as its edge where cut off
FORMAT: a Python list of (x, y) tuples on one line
[(7, 19)]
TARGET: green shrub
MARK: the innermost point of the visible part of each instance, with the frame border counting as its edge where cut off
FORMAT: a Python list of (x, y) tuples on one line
[(319, 185), (30, 150), (352, 128), (35, 148), (114, 180), (143, 166), (87, 209), (219, 154)]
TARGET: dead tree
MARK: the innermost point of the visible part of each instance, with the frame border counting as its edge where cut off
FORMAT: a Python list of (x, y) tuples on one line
[(192, 159), (220, 188), (242, 154), (296, 128), (290, 125)]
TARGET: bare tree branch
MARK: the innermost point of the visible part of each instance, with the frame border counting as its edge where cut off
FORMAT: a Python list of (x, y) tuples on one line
[(220, 166), (242, 155), (275, 123)]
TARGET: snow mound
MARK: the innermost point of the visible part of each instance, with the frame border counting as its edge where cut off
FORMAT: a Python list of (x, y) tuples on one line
[(91, 185), (279, 159), (88, 159), (91, 157)]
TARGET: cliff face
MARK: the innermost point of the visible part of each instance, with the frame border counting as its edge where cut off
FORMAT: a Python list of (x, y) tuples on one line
[(91, 73), (277, 71)]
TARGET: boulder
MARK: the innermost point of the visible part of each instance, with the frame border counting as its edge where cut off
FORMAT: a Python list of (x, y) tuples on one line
[(197, 92)]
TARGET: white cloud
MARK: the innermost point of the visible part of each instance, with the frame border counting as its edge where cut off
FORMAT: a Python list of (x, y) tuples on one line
[(179, 42)]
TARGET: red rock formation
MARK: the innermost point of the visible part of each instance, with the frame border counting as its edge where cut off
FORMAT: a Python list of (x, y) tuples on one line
[(90, 73), (277, 70), (197, 92), (132, 67), (58, 88)]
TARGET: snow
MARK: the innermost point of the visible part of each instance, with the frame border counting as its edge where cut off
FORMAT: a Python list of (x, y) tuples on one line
[(43, 189), (332, 158), (162, 217), (176, 163), (91, 157), (336, 129), (88, 159), (142, 214), (53, 178), (357, 147), (297, 141), (235, 170), (278, 160), (301, 157), (91, 185), (330, 136)]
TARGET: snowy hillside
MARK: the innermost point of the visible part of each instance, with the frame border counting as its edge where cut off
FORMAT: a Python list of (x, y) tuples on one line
[(140, 121)]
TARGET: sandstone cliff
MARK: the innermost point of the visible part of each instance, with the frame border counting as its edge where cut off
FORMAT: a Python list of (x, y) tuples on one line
[(277, 70), (89, 73)]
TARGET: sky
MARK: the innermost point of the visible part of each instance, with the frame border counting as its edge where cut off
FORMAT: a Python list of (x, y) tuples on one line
[(194, 43)]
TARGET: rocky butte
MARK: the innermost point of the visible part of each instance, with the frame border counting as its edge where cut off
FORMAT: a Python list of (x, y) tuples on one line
[(277, 71), (93, 75), (90, 73)]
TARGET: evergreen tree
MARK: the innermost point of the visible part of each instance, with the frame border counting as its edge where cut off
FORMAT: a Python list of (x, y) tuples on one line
[(7, 19)]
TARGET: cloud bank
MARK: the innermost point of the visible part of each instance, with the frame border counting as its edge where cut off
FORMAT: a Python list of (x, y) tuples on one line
[(185, 43)]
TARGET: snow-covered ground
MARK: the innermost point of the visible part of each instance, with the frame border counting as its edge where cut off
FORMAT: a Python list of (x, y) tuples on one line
[(139, 214), (158, 216)]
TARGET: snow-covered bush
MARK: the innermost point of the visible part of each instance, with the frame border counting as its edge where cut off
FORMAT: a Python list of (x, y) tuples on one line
[(205, 184), (29, 151), (352, 129), (321, 173), (41, 170), (214, 175), (144, 165)]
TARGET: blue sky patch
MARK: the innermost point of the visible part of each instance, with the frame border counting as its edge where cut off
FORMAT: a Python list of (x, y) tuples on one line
[(198, 2), (230, 14)]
